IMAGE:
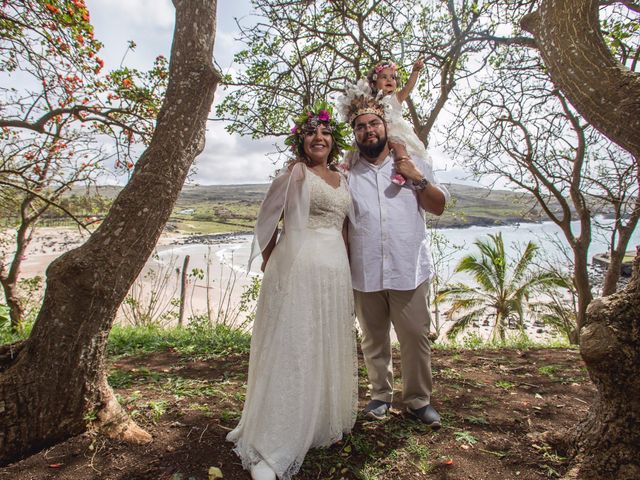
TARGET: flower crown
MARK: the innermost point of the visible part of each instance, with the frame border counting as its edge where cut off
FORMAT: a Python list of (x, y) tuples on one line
[(321, 113), (380, 67), (357, 100)]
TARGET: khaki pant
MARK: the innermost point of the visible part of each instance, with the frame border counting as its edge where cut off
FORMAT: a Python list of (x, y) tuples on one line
[(409, 313)]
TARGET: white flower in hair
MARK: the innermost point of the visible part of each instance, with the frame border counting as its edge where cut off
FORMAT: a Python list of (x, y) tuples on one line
[(357, 100)]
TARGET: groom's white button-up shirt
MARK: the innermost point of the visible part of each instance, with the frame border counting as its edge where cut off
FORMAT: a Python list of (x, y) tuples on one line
[(388, 245)]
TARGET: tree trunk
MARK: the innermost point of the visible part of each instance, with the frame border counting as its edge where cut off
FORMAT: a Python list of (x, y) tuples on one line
[(9, 281), (10, 291), (583, 289), (607, 94), (608, 440), (612, 275), (604, 91), (183, 290), (57, 379)]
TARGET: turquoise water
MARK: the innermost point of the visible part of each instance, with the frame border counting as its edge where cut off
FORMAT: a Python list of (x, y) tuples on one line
[(457, 243)]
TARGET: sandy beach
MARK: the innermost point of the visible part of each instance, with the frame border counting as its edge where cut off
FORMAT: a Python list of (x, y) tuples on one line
[(157, 289)]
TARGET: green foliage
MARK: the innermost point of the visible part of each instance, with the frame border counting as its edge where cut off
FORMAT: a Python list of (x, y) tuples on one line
[(9, 335), (473, 341), (30, 293), (248, 299), (4, 316), (476, 420), (505, 384), (465, 437), (201, 339), (122, 379), (549, 370), (157, 409), (621, 32), (230, 415)]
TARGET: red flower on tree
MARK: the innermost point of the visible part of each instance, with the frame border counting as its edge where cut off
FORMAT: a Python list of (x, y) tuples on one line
[(52, 8), (100, 63)]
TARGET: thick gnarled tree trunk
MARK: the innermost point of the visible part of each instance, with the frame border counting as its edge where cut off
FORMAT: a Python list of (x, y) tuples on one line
[(50, 383), (607, 94), (608, 440)]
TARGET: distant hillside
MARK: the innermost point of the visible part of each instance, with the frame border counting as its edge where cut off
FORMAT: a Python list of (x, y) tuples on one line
[(194, 193), (483, 206), (223, 193), (469, 205)]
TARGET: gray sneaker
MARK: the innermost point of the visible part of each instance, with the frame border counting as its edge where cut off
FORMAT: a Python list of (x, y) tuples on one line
[(426, 415), (377, 409)]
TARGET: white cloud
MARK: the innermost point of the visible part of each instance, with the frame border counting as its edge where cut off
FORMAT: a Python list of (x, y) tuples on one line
[(149, 23), (143, 14), (231, 159)]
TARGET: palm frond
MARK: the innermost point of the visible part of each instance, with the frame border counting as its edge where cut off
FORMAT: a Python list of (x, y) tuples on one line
[(463, 322), (523, 264), (481, 271)]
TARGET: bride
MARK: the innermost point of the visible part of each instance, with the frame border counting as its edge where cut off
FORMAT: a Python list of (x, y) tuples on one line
[(302, 385)]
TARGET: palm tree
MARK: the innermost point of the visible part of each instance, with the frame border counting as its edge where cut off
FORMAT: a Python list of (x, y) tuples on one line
[(558, 310), (501, 292)]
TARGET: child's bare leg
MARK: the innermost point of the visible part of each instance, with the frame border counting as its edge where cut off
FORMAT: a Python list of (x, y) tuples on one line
[(399, 151)]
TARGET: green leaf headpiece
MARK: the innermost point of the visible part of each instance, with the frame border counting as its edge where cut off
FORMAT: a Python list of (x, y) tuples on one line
[(321, 113)]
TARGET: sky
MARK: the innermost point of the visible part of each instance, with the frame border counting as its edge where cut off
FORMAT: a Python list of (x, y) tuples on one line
[(227, 159)]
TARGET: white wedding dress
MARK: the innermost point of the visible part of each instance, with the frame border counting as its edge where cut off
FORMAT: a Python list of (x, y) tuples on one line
[(302, 385)]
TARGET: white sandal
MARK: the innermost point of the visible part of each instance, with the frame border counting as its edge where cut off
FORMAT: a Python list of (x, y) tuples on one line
[(262, 471)]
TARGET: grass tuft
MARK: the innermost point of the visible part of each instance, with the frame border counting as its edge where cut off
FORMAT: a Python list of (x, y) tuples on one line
[(214, 340)]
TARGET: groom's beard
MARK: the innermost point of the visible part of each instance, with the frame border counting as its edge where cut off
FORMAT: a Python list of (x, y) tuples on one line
[(372, 150)]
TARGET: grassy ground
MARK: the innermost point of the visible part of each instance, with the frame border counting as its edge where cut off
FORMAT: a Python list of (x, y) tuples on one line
[(187, 389)]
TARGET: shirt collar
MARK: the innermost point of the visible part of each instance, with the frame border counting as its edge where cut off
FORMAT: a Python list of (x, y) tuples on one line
[(370, 165)]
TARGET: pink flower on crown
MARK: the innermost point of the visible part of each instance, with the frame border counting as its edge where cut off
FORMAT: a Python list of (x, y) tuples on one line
[(382, 66), (294, 129), (324, 116)]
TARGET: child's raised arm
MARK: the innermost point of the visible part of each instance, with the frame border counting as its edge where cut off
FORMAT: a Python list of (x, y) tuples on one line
[(403, 94)]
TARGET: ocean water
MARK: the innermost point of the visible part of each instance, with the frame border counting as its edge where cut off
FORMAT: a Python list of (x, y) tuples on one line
[(449, 245)]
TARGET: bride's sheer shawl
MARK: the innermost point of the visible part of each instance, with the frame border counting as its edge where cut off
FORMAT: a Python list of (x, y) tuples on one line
[(288, 193)]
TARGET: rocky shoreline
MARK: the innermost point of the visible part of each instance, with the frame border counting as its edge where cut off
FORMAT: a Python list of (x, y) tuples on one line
[(214, 238)]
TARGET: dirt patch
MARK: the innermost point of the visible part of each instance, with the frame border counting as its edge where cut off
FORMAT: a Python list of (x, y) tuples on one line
[(496, 406)]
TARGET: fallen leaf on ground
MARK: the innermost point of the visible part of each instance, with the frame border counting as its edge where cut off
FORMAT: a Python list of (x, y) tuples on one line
[(215, 472)]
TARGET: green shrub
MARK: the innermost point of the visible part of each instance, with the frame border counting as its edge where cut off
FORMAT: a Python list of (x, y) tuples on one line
[(200, 337)]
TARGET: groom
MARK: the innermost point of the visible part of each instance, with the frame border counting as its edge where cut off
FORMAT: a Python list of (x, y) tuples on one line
[(391, 263)]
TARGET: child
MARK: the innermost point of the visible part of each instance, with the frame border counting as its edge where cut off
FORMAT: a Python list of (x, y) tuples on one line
[(383, 80)]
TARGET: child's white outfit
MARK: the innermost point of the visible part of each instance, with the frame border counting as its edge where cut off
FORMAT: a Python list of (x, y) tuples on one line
[(400, 130)]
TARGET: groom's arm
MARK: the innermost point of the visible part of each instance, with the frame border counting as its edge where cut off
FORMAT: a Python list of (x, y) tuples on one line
[(430, 198)]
